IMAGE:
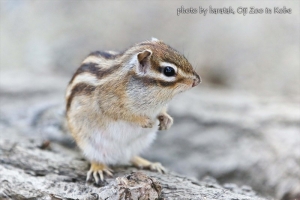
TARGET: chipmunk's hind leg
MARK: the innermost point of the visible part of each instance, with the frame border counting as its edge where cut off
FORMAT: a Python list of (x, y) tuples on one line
[(140, 162), (97, 170)]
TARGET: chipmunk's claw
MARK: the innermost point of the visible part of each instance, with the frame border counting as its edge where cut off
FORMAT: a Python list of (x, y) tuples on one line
[(157, 167), (97, 171)]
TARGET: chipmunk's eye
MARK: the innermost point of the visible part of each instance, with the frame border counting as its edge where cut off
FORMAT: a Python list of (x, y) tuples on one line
[(169, 71)]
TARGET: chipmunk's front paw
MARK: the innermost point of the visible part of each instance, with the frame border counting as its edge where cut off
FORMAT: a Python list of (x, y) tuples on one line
[(165, 121), (97, 170)]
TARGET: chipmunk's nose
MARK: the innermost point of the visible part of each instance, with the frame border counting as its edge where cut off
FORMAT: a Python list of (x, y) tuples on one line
[(197, 80)]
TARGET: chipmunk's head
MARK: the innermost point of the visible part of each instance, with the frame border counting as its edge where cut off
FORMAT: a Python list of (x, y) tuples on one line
[(161, 67)]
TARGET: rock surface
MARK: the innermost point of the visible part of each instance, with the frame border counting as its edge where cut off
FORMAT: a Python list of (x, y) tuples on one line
[(35, 169)]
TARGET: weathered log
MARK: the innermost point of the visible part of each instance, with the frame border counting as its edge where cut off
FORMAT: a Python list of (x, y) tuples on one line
[(31, 168)]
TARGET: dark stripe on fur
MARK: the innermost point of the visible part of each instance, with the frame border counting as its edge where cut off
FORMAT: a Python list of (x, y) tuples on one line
[(80, 89), (151, 81), (93, 68), (88, 67), (105, 54)]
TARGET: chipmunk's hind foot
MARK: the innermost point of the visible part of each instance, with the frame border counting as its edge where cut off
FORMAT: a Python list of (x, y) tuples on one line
[(97, 171), (145, 164)]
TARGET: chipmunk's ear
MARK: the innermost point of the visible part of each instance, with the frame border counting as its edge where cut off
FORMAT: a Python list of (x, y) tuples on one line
[(144, 61)]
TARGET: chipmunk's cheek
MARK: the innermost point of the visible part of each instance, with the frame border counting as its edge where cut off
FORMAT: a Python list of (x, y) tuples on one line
[(182, 87), (188, 84)]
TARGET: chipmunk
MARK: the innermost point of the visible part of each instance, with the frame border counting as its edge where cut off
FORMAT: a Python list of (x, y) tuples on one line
[(116, 102)]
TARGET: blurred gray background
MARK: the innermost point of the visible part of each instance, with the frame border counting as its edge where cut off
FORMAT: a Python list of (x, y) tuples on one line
[(258, 53), (240, 125)]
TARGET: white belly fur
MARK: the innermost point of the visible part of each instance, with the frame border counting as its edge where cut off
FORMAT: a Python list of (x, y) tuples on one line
[(119, 142)]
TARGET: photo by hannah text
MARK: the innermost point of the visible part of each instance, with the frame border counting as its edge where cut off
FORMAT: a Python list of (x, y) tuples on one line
[(241, 10)]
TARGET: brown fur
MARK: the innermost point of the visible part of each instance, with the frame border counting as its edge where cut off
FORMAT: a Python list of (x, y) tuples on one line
[(168, 54), (94, 68), (80, 89), (114, 94)]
